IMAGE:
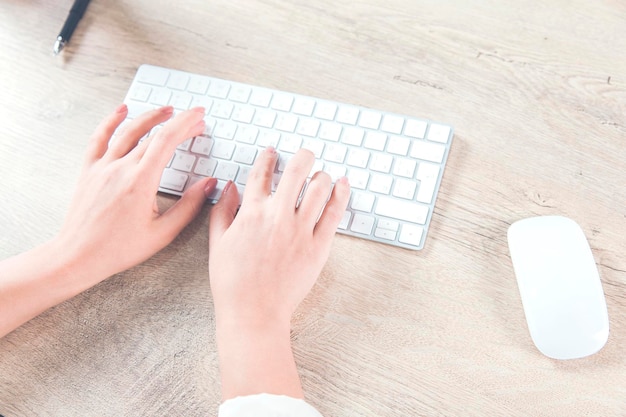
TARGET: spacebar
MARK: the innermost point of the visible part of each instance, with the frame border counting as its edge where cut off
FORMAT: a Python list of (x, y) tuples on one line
[(402, 210)]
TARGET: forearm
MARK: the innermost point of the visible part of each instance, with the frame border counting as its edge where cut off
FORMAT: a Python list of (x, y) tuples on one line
[(256, 359), (34, 281)]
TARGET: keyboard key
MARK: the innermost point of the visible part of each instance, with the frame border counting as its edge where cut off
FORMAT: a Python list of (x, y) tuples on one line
[(245, 155), (173, 180), (381, 162), (198, 85), (348, 115), (427, 151), (202, 145), (352, 136), (438, 133), (362, 224), (330, 132), (427, 174), (205, 167), (358, 158), (268, 138), (308, 127), (345, 220), (303, 106), (286, 122), (335, 152), (385, 234), (202, 101), (290, 143), (325, 111), (246, 134), (140, 92), (178, 81), (402, 210), (381, 184), (404, 188), (264, 118), (180, 100), (392, 124), (370, 119), (375, 141), (242, 176), (388, 225), (222, 109), (243, 114), (240, 94), (411, 234), (160, 97), (152, 75), (415, 128), (398, 145), (282, 102), (226, 171), (218, 89), (404, 167), (362, 202), (358, 178), (225, 129), (261, 98), (183, 161), (223, 150)]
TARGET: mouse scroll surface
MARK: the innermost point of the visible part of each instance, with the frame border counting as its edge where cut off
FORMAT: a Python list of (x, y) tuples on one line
[(559, 286)]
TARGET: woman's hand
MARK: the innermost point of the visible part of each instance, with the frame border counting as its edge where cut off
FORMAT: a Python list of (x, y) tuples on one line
[(113, 222), (262, 263)]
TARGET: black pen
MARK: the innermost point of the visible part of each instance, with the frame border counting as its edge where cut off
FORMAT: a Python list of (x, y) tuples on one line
[(76, 13)]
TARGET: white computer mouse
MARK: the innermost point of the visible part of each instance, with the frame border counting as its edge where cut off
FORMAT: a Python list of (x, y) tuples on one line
[(560, 286)]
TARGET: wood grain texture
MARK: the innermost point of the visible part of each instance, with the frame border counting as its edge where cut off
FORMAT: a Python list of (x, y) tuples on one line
[(537, 94)]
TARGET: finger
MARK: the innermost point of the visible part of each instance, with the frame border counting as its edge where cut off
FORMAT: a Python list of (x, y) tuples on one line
[(137, 129), (333, 211), (162, 144), (223, 213), (99, 141), (317, 192), (259, 183), (293, 178), (184, 210)]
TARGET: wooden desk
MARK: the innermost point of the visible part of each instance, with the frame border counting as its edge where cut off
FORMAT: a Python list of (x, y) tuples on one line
[(537, 95)]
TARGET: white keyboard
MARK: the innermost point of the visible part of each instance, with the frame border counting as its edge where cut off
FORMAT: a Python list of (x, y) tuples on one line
[(394, 163)]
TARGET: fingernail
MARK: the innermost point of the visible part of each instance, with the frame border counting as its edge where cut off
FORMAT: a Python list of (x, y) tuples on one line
[(270, 149), (198, 110), (210, 186), (167, 109), (227, 187), (343, 180), (121, 108)]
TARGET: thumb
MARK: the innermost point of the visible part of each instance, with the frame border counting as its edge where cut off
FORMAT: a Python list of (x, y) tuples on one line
[(186, 209), (223, 213)]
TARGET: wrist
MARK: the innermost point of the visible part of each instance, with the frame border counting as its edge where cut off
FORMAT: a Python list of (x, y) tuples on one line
[(256, 357), (66, 270), (34, 281), (252, 320)]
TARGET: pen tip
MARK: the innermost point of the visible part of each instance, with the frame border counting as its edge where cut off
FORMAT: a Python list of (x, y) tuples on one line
[(58, 46)]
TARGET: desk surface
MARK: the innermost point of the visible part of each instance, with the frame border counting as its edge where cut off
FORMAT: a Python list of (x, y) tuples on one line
[(537, 95)]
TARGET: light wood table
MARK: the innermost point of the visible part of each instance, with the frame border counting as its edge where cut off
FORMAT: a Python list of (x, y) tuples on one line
[(536, 92)]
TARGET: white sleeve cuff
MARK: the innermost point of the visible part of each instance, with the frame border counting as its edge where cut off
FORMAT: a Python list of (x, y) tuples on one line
[(266, 405)]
